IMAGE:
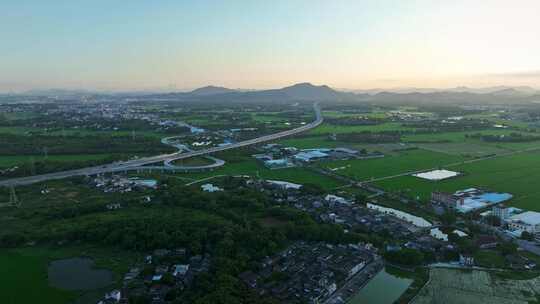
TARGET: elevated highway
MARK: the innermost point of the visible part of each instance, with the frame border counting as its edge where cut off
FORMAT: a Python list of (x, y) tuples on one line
[(138, 163)]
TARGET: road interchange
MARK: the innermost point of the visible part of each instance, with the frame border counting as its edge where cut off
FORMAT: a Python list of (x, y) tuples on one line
[(141, 162)]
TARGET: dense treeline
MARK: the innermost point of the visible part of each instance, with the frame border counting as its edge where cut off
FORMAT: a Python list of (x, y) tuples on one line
[(447, 110), (453, 126), (354, 121), (45, 166), (11, 144), (512, 137), (370, 137), (406, 256), (229, 226)]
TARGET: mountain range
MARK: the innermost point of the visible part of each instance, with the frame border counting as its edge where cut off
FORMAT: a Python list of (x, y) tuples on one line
[(309, 92)]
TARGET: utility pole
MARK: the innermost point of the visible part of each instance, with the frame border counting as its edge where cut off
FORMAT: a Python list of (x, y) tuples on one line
[(32, 166), (13, 199)]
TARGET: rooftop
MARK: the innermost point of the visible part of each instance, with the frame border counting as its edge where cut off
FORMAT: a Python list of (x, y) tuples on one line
[(529, 217), (436, 175)]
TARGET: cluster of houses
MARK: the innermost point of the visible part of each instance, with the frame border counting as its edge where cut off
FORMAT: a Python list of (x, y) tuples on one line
[(312, 272), (122, 184), (516, 221), (161, 272), (468, 200), (308, 272), (275, 156), (412, 232), (371, 219)]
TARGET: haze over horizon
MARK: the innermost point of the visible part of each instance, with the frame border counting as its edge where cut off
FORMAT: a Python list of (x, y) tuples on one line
[(138, 45)]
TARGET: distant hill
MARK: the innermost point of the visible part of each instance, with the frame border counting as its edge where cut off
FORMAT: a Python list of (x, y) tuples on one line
[(502, 90), (297, 92), (311, 92), (308, 92), (211, 90)]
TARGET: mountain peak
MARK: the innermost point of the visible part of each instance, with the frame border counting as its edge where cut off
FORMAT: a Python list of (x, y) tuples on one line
[(306, 90), (211, 90)]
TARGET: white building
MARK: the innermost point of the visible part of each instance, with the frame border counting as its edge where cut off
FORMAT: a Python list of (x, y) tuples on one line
[(309, 156), (438, 234), (113, 296), (284, 185), (437, 175), (501, 211), (466, 260), (356, 268), (336, 199), (527, 221), (180, 270), (210, 188)]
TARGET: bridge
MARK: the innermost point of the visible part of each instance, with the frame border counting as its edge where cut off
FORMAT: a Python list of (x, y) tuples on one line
[(138, 164)]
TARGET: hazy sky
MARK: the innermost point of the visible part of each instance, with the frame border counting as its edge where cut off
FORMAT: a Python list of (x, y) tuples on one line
[(142, 44)]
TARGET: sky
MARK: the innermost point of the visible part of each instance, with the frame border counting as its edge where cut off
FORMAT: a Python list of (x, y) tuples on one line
[(255, 44)]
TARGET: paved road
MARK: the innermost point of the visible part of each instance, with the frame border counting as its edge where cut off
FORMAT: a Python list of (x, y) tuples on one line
[(138, 163)]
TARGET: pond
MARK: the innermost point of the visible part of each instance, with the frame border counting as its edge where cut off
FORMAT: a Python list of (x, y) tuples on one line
[(78, 274), (384, 288)]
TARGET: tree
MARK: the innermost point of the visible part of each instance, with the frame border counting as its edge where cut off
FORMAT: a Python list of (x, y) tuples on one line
[(411, 257), (448, 218), (493, 220), (312, 189), (453, 237), (508, 248), (527, 236)]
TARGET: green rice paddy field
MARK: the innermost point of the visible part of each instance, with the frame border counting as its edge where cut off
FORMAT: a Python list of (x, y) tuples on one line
[(453, 286), (24, 279), (518, 174), (411, 160), (326, 128)]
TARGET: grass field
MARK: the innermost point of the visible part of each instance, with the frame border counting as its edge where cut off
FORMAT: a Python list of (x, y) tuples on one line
[(77, 132), (87, 132), (18, 130), (455, 136), (8, 161), (318, 141), (490, 259), (405, 161), (517, 174), (25, 273), (326, 128), (248, 166), (193, 161), (474, 149), (322, 141), (24, 281)]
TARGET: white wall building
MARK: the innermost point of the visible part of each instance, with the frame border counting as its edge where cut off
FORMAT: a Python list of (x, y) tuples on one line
[(501, 211), (527, 221), (210, 188)]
